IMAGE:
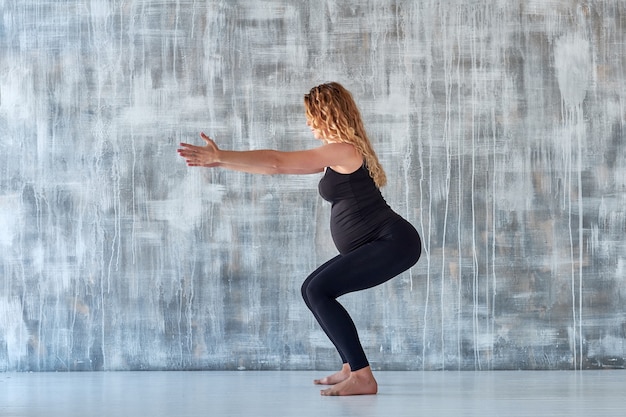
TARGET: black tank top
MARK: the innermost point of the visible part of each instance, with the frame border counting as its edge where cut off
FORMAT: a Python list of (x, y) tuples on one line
[(359, 212)]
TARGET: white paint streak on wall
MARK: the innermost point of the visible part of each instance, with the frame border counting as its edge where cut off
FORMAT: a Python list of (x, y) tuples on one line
[(500, 125), (572, 61)]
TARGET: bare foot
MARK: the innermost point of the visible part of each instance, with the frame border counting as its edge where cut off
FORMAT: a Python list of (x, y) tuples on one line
[(336, 377), (361, 382)]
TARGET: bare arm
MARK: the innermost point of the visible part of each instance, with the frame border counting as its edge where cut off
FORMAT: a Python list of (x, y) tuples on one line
[(269, 161)]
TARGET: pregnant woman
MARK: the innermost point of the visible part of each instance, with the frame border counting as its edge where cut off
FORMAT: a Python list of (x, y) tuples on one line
[(375, 244)]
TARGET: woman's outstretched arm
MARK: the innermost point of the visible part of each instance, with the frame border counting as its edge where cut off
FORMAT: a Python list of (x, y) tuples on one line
[(269, 161)]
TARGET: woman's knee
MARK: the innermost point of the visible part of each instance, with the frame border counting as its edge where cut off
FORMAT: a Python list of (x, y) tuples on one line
[(314, 294)]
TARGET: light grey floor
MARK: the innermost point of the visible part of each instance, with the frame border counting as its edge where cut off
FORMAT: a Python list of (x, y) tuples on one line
[(289, 393)]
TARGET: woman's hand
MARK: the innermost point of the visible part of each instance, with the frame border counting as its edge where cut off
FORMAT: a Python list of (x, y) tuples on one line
[(200, 156)]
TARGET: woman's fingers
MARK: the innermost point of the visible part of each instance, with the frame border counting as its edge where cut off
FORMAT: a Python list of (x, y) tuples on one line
[(185, 147), (186, 151), (210, 143)]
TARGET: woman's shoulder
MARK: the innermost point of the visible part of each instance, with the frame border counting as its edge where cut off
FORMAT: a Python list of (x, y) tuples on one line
[(351, 162)]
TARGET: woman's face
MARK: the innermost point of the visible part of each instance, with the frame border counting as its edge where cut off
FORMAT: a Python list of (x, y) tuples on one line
[(317, 133)]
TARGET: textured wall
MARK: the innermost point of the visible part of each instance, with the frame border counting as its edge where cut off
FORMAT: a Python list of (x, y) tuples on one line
[(501, 126)]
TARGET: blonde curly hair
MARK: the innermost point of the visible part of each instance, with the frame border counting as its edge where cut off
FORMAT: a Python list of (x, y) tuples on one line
[(331, 109)]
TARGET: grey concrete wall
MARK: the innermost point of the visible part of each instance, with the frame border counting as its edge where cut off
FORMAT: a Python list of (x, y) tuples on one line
[(500, 124)]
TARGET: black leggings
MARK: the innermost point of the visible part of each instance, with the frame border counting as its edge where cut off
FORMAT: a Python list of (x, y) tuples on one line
[(397, 249)]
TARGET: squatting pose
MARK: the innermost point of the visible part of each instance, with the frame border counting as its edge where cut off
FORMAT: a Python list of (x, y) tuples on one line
[(375, 244)]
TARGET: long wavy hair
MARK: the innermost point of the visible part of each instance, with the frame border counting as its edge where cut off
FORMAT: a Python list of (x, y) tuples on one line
[(331, 109)]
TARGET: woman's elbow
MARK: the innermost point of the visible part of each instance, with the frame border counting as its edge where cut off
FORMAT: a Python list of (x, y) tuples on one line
[(297, 170), (283, 165), (280, 170), (280, 164)]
